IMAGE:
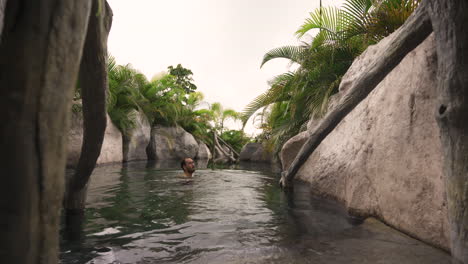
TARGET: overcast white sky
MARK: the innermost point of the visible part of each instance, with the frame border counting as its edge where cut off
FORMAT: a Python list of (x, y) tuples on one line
[(221, 41)]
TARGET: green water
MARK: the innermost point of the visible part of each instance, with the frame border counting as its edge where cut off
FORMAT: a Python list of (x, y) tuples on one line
[(144, 213)]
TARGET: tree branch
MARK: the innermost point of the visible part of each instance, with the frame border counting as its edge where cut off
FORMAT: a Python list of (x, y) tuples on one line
[(228, 146), (221, 149)]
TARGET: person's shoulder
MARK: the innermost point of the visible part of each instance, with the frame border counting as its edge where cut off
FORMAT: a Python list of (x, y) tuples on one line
[(183, 176)]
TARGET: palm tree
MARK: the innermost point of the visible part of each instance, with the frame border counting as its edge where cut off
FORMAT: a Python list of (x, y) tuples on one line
[(220, 116), (125, 99), (165, 100), (297, 96), (370, 19), (196, 121)]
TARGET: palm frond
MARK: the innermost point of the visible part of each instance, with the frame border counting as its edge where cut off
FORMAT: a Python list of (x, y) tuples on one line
[(328, 19), (276, 93), (293, 53), (194, 99), (342, 35)]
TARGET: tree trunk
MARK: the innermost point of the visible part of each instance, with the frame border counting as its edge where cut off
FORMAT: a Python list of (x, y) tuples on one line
[(231, 159), (229, 146), (94, 83), (40, 51), (405, 39), (449, 20), (213, 151), (2, 16)]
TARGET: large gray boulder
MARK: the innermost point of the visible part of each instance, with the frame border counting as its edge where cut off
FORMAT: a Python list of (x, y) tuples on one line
[(254, 152), (111, 150), (135, 143), (385, 158), (203, 152), (171, 143), (292, 147)]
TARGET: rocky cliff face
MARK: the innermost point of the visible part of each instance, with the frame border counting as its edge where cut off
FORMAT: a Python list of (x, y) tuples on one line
[(171, 143), (111, 150), (204, 152), (385, 158), (159, 143), (134, 145), (255, 152)]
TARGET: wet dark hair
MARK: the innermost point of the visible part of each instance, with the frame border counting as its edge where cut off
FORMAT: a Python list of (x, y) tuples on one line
[(182, 163)]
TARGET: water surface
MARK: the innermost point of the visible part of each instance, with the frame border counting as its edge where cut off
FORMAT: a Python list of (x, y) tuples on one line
[(144, 213)]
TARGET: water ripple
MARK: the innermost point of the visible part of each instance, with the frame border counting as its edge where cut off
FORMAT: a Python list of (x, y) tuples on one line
[(144, 215)]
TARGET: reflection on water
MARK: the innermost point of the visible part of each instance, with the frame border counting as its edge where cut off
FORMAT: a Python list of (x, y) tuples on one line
[(146, 213)]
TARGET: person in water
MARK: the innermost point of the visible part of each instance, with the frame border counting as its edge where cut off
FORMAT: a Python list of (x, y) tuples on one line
[(188, 165)]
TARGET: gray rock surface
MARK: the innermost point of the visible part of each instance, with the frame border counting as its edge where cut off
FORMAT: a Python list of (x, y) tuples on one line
[(111, 150), (254, 152), (171, 143), (203, 152), (134, 145), (385, 158), (292, 147)]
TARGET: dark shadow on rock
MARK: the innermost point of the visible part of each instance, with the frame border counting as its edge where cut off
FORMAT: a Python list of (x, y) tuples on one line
[(73, 225), (314, 215)]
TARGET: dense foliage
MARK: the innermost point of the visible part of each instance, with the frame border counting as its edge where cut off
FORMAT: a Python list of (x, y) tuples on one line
[(169, 100), (235, 138), (183, 77), (303, 94)]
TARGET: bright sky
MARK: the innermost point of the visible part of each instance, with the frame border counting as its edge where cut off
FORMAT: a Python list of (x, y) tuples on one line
[(221, 41)]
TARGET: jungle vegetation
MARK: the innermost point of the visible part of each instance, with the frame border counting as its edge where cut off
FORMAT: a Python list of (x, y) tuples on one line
[(170, 99), (341, 34)]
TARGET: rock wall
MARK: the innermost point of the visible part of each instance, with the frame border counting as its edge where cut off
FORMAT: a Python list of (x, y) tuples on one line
[(171, 143), (203, 152), (385, 158), (255, 152), (134, 145), (111, 150), (159, 143)]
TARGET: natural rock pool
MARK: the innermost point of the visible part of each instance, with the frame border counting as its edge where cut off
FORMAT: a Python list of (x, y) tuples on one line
[(141, 213)]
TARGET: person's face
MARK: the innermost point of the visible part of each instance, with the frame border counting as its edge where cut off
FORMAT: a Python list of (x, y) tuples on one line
[(189, 165)]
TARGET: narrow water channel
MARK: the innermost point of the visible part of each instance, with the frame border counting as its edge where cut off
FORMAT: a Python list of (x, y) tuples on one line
[(144, 213)]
